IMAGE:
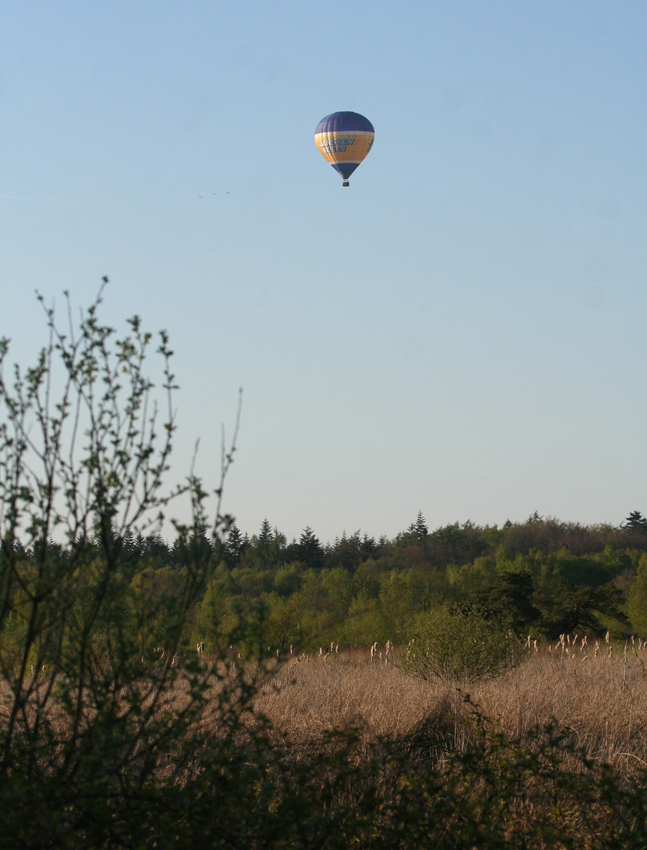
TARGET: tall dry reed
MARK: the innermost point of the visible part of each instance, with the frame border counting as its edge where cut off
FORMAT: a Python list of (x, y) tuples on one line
[(599, 705)]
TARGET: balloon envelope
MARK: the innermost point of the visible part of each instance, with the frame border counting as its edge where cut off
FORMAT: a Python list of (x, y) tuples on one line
[(344, 139)]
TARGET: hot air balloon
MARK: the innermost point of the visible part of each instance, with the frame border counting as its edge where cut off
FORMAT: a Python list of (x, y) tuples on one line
[(344, 139)]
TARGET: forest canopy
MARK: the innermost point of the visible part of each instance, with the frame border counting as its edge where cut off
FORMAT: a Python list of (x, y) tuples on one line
[(541, 577)]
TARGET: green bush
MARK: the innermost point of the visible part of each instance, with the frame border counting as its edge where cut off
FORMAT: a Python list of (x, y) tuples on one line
[(460, 647)]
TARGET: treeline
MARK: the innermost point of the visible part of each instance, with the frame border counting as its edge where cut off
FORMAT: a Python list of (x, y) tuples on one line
[(541, 577)]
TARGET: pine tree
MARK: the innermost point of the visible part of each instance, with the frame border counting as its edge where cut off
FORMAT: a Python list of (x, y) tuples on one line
[(420, 527), (234, 546), (636, 523), (265, 535), (311, 552)]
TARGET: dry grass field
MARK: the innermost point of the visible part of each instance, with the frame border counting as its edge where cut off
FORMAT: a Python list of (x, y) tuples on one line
[(416, 769), (601, 706), (598, 702)]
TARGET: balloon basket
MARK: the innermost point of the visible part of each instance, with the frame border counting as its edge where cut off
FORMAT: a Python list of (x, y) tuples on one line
[(345, 183)]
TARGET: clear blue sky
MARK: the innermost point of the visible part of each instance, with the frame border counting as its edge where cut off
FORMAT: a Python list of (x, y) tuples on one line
[(461, 331)]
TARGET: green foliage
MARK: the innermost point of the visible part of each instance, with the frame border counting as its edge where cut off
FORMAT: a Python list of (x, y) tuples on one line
[(419, 528), (387, 583), (367, 591), (637, 607), (91, 635), (235, 546), (636, 523), (310, 551), (507, 600), (569, 608), (460, 647), (364, 624)]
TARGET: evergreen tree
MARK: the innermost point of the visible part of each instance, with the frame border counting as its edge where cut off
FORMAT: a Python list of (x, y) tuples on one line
[(265, 535), (234, 546), (154, 546), (131, 547), (509, 601), (636, 523), (579, 607), (310, 550), (420, 527)]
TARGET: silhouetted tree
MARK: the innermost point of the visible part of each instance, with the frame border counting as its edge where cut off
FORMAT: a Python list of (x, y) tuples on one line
[(420, 527), (234, 546), (265, 536), (310, 551), (636, 523)]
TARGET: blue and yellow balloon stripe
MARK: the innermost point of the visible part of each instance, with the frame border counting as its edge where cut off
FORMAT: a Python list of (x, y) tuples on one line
[(344, 147), (344, 139)]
